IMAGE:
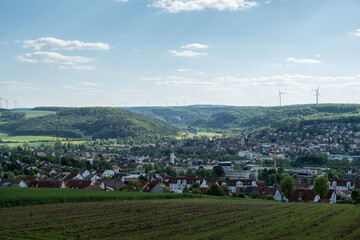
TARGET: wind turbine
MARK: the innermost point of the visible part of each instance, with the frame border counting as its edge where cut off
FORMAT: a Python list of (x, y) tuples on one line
[(1, 101), (15, 104), (6, 101), (317, 95), (280, 93)]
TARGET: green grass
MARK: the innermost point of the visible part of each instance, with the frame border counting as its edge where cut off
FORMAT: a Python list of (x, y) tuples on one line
[(10, 197), (14, 141), (209, 134), (181, 219), (36, 113)]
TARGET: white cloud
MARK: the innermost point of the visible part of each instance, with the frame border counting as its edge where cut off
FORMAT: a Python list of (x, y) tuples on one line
[(303, 61), (356, 32), (83, 67), (18, 86), (52, 57), (121, 0), (51, 43), (195, 46), (183, 70), (175, 6), (88, 84), (186, 53)]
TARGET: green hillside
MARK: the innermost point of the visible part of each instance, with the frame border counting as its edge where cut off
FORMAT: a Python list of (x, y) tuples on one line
[(95, 122), (259, 117), (182, 116)]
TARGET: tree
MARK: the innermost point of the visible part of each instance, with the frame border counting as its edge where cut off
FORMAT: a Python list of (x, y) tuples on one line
[(185, 190), (321, 186), (215, 190), (219, 171), (287, 186)]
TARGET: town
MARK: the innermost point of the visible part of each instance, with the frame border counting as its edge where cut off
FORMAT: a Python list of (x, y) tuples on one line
[(247, 164)]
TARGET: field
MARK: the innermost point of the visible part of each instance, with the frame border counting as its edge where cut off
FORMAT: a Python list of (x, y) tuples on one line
[(10, 197), (36, 113), (14, 141), (209, 134), (181, 219)]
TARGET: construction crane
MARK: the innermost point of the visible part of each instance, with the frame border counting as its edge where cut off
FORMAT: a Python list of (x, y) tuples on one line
[(261, 162), (275, 157)]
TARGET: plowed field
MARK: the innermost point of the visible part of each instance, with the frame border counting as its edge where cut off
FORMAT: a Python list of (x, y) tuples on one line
[(181, 219)]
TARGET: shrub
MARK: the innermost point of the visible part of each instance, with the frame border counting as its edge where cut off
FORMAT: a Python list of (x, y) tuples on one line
[(241, 195), (215, 190), (255, 194), (270, 197)]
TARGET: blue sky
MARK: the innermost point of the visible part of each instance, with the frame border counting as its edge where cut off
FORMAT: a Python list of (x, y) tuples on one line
[(176, 52)]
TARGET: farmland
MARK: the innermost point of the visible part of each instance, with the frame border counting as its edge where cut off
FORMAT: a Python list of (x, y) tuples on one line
[(182, 219), (10, 197)]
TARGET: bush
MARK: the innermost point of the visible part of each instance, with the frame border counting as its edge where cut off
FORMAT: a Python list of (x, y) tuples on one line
[(215, 190), (270, 197), (241, 195), (255, 194)]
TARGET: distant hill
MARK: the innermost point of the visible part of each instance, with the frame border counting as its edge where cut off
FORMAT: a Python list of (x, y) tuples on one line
[(182, 116), (276, 117), (95, 122)]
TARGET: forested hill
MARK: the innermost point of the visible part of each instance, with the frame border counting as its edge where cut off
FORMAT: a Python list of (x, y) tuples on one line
[(278, 117), (185, 115), (95, 122)]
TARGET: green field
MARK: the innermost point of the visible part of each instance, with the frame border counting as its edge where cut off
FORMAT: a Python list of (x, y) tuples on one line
[(181, 219), (36, 113), (14, 141), (209, 134), (10, 197)]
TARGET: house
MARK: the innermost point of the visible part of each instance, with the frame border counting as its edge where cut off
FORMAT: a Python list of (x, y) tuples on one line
[(51, 184), (79, 183), (343, 193), (104, 173), (94, 188), (13, 183), (160, 188), (304, 195), (84, 173), (112, 184), (331, 196), (340, 184), (31, 181), (265, 191)]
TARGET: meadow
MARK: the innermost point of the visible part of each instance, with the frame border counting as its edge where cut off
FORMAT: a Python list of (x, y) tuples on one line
[(35, 113), (181, 219), (10, 197)]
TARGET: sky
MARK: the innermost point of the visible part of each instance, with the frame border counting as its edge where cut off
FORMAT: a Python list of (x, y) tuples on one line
[(178, 52)]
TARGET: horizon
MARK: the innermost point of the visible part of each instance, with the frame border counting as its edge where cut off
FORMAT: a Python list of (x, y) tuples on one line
[(161, 53)]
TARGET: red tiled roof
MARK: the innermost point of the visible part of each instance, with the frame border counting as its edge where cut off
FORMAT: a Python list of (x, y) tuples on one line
[(305, 195), (79, 183)]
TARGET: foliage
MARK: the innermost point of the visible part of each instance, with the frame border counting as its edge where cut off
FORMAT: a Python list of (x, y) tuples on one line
[(270, 197), (11, 197), (241, 195), (287, 186), (219, 171), (185, 190), (215, 190), (95, 122), (321, 186), (255, 195)]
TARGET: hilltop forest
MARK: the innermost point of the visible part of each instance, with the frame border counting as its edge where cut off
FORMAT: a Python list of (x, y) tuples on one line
[(94, 122)]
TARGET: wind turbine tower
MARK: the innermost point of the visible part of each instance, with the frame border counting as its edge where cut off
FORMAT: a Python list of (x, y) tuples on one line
[(317, 95), (1, 101), (280, 93), (6, 101)]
